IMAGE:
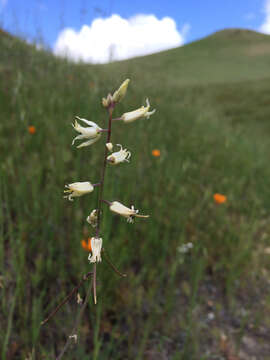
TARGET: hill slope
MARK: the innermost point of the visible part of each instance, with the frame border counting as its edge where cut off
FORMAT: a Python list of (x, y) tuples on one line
[(226, 56)]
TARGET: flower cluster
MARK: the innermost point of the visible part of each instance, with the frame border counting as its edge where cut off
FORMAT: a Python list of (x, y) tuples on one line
[(90, 134)]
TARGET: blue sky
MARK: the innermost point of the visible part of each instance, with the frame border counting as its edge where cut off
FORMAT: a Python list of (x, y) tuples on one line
[(194, 19)]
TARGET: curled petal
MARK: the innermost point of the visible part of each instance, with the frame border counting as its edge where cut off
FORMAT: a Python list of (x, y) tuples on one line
[(88, 122), (149, 113), (88, 143), (79, 137)]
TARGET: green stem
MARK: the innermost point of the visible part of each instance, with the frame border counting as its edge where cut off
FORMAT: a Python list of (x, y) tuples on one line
[(100, 194), (103, 170)]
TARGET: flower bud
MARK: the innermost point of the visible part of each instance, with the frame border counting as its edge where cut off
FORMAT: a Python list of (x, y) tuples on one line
[(107, 101), (109, 146), (121, 92)]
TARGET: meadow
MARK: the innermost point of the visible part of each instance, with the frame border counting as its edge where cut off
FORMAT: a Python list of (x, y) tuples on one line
[(211, 128)]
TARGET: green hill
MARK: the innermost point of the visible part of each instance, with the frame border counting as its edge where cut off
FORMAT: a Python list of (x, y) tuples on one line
[(212, 129), (227, 56)]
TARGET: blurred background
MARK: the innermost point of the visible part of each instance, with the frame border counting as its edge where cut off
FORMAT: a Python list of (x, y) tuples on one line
[(197, 284)]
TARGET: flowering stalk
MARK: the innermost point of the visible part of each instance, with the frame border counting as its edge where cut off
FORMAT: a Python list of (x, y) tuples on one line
[(90, 134), (100, 194)]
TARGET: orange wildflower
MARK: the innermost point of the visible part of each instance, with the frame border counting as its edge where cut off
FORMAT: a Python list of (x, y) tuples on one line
[(156, 152), (31, 129), (219, 198), (86, 245)]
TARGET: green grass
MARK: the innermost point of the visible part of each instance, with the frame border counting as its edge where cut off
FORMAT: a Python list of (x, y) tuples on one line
[(211, 126)]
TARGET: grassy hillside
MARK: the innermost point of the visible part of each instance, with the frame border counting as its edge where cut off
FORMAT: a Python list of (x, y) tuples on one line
[(226, 56), (212, 130)]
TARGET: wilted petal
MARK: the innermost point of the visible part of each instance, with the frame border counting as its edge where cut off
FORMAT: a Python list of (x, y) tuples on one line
[(92, 219), (96, 246)]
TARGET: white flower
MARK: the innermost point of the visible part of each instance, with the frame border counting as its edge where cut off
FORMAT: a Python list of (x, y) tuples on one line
[(121, 92), (93, 132), (78, 189), (142, 112), (92, 218), (96, 246), (119, 156), (128, 213)]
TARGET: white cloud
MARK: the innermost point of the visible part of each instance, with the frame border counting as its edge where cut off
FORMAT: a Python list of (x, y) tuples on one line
[(265, 27), (115, 38)]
